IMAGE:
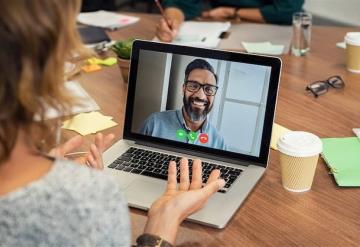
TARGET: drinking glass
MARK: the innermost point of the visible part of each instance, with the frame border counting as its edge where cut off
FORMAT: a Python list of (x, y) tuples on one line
[(301, 33)]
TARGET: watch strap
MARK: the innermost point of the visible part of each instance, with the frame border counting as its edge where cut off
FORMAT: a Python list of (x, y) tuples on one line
[(150, 240)]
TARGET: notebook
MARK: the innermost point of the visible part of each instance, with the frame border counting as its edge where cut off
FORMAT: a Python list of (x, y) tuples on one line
[(342, 156), (106, 19), (93, 35)]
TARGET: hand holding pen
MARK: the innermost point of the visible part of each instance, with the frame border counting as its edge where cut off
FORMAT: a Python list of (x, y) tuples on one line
[(166, 29)]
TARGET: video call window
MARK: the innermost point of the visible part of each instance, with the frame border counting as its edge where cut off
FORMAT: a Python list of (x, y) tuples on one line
[(176, 94)]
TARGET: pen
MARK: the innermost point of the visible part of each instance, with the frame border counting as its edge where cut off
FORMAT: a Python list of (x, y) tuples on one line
[(162, 12), (75, 153)]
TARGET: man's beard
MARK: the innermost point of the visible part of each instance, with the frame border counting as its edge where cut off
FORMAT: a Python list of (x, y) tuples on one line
[(196, 114)]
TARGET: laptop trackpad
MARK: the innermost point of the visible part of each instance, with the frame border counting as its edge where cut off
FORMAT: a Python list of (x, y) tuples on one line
[(141, 193)]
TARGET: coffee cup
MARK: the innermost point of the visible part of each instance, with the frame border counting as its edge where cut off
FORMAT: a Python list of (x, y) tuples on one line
[(352, 40), (299, 153)]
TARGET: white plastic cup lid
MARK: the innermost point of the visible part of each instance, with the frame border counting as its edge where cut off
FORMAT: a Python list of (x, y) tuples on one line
[(299, 144), (352, 38)]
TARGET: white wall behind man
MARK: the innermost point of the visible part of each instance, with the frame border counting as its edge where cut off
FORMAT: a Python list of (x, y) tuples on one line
[(342, 11)]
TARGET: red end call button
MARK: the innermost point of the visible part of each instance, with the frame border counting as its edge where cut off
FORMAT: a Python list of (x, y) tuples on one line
[(203, 138)]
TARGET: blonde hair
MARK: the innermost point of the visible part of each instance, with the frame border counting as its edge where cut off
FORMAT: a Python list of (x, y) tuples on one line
[(36, 37)]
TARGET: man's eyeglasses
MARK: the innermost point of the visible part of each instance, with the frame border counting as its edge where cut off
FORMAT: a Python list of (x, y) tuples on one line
[(320, 87), (194, 86)]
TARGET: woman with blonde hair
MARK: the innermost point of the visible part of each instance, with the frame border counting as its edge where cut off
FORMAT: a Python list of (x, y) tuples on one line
[(46, 200)]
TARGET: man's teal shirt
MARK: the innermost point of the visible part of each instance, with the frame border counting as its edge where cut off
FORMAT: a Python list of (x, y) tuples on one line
[(273, 11)]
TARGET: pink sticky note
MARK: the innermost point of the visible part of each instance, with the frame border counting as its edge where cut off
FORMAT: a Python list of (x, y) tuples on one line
[(124, 20)]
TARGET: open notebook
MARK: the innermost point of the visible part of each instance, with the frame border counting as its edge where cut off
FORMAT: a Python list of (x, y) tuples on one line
[(200, 34)]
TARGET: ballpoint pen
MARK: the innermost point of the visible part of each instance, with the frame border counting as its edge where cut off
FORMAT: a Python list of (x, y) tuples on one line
[(162, 12)]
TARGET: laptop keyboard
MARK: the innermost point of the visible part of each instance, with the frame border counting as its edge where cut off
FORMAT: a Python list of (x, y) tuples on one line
[(155, 164)]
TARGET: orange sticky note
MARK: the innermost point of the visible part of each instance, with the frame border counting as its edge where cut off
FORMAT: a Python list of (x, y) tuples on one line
[(91, 68)]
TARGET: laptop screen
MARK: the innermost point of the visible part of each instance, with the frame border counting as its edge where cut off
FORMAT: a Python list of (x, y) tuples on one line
[(207, 102)]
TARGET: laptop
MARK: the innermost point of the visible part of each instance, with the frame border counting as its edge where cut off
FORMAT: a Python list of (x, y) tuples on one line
[(191, 102)]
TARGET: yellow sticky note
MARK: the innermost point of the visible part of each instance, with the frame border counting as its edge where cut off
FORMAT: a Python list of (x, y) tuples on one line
[(89, 123), (277, 131), (91, 68), (107, 62), (93, 60)]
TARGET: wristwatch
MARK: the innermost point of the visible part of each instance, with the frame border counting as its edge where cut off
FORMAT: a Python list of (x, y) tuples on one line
[(149, 240)]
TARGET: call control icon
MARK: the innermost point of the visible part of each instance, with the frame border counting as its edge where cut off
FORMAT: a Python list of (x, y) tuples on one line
[(181, 134), (192, 136), (203, 138)]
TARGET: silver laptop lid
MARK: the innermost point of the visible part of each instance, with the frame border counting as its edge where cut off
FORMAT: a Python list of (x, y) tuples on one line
[(205, 102)]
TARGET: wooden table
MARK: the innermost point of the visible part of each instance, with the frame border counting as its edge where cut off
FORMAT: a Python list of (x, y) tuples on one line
[(327, 215)]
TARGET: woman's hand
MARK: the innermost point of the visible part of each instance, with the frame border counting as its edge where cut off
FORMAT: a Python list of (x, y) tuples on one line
[(178, 202), (91, 158), (220, 13)]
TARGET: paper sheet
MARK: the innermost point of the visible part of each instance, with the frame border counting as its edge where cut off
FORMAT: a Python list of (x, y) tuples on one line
[(341, 45), (200, 34), (106, 19), (87, 103), (357, 132), (277, 131), (263, 48), (89, 123)]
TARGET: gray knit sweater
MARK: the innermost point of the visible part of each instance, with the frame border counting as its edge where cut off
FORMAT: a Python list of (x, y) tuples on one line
[(71, 205)]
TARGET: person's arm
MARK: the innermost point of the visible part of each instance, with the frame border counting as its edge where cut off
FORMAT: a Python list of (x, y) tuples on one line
[(176, 11), (252, 14), (178, 202), (281, 11), (189, 8), (248, 14)]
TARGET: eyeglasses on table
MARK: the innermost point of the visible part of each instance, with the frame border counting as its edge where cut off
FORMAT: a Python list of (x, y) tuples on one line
[(320, 87)]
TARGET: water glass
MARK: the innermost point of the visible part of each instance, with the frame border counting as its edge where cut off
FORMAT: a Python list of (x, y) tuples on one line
[(301, 33)]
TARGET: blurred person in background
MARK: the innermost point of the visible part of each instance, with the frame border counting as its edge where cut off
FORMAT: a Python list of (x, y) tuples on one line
[(260, 11)]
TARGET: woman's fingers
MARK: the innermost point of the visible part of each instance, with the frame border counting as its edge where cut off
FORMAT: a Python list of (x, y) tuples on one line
[(184, 175), (92, 158), (103, 142), (196, 180), (212, 187), (108, 139), (99, 141), (171, 183), (95, 157), (214, 175)]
